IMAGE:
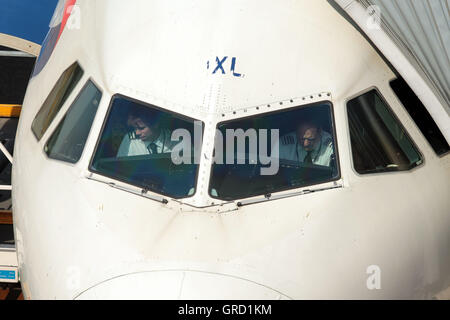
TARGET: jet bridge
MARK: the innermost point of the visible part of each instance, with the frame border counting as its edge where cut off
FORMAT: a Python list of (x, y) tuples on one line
[(23, 27), (9, 275), (16, 67), (8, 258)]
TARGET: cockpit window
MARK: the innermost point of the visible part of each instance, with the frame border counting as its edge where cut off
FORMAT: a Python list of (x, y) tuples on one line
[(150, 148), (68, 140), (56, 99), (379, 142), (421, 116), (272, 152)]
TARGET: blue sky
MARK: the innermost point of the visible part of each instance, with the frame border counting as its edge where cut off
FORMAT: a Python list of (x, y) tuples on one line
[(27, 19)]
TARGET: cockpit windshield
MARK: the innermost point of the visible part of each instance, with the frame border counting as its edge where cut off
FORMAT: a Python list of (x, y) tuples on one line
[(148, 147), (275, 151)]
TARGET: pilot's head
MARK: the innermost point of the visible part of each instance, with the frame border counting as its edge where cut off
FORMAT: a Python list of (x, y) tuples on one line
[(309, 134), (144, 124)]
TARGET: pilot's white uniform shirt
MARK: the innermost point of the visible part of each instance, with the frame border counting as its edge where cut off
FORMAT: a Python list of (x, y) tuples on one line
[(291, 149), (132, 146)]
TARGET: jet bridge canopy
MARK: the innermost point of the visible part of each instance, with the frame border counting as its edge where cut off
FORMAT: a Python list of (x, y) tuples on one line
[(414, 36), (422, 30)]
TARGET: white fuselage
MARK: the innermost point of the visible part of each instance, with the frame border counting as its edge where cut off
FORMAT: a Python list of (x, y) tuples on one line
[(79, 238)]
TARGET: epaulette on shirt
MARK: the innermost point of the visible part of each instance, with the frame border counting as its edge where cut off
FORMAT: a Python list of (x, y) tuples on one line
[(287, 140), (328, 141), (131, 135)]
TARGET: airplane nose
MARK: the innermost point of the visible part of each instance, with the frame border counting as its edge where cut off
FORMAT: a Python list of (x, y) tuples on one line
[(179, 285)]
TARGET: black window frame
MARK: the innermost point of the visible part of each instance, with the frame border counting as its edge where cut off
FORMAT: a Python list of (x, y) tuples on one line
[(147, 104), (399, 122), (335, 141)]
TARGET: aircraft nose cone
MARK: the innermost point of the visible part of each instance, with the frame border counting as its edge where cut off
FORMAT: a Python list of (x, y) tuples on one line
[(179, 285)]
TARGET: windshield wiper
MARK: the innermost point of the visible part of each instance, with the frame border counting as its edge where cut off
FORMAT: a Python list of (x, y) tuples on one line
[(269, 197), (137, 191)]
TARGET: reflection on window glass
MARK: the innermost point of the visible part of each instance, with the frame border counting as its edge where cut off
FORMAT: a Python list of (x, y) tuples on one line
[(68, 140), (56, 99), (379, 142), (136, 147), (274, 152), (420, 115)]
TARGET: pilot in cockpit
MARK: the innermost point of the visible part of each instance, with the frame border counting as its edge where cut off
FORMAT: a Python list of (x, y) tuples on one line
[(309, 143), (146, 136)]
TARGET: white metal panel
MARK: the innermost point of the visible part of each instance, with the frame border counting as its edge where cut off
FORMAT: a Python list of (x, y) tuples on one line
[(19, 44), (181, 285)]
